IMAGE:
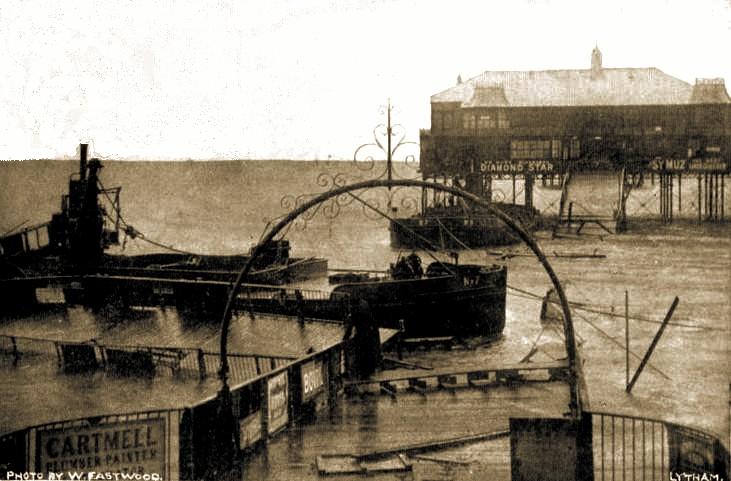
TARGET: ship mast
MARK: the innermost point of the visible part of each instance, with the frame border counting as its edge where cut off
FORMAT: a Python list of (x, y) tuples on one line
[(389, 153)]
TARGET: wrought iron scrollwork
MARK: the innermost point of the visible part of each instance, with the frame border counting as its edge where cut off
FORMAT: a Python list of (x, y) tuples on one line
[(389, 143)]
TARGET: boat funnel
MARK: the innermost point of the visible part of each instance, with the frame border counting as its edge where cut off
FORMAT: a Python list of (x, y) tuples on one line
[(83, 148)]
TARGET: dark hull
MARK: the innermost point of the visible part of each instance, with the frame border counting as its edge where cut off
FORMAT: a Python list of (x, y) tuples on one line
[(453, 229), (213, 268), (441, 305), (437, 306)]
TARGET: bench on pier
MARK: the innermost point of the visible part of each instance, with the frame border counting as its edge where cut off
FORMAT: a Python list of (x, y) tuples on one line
[(582, 219)]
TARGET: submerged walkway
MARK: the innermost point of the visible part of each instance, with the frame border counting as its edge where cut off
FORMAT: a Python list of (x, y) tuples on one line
[(359, 425), (38, 391)]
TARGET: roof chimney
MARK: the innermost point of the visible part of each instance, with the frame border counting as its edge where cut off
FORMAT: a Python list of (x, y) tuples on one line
[(82, 160), (459, 79), (596, 63)]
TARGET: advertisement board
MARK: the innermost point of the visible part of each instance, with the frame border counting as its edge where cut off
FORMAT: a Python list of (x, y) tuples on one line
[(313, 379), (693, 165), (515, 166), (277, 402), (250, 430), (123, 447)]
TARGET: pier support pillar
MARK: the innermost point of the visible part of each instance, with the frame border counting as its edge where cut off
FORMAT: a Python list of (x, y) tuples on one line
[(666, 197), (364, 349), (712, 208), (528, 191), (488, 188), (623, 194)]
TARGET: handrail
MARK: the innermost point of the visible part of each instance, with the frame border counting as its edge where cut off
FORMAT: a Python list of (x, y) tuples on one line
[(698, 430)]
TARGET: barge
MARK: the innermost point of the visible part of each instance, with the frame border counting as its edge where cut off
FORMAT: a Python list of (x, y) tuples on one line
[(66, 259), (76, 239), (458, 227), (445, 299)]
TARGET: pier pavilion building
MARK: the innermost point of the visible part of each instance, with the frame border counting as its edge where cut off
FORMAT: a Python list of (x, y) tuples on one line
[(541, 123)]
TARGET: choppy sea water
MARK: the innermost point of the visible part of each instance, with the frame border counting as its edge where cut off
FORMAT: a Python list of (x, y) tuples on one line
[(224, 207)]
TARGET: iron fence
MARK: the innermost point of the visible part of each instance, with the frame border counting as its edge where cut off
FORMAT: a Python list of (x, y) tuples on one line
[(171, 360), (638, 448)]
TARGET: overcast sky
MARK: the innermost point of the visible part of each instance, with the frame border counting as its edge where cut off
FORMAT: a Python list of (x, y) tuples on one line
[(301, 79)]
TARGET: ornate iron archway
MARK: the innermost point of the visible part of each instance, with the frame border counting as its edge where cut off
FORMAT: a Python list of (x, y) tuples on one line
[(225, 394)]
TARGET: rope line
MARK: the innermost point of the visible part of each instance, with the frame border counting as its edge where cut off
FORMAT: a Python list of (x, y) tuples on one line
[(133, 233)]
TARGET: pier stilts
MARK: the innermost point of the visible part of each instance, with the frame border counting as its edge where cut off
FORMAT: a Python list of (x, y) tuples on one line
[(680, 192), (700, 210), (666, 197), (528, 191), (624, 188), (626, 336), (723, 195)]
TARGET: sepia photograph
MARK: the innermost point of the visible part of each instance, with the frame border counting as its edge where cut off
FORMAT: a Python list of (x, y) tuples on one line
[(365, 240)]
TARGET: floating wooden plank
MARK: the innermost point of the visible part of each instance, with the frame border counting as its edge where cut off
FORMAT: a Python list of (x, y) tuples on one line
[(338, 464), (388, 388), (333, 464), (415, 342), (418, 385), (396, 463), (434, 459), (508, 375), (447, 382), (404, 364), (471, 373), (352, 463)]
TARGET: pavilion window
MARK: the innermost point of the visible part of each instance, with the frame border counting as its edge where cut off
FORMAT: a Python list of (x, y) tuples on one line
[(531, 149), (468, 121), (502, 120), (555, 149), (437, 121), (486, 121), (575, 149)]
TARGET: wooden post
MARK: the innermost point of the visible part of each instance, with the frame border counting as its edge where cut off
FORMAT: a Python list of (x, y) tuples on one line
[(663, 197), (653, 344), (626, 336), (621, 217), (571, 208), (670, 197), (706, 199), (680, 192), (715, 197), (723, 194), (662, 201), (528, 191), (700, 214), (513, 189), (300, 307), (201, 364), (16, 354), (258, 366)]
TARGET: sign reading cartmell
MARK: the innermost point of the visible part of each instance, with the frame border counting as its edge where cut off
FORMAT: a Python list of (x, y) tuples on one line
[(124, 447)]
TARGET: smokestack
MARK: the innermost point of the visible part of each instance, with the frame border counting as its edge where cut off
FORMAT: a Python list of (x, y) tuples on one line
[(82, 162)]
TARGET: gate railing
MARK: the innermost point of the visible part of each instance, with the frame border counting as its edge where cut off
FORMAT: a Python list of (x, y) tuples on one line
[(629, 447)]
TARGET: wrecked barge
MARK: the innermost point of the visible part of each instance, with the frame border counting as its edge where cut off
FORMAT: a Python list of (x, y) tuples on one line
[(66, 261)]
